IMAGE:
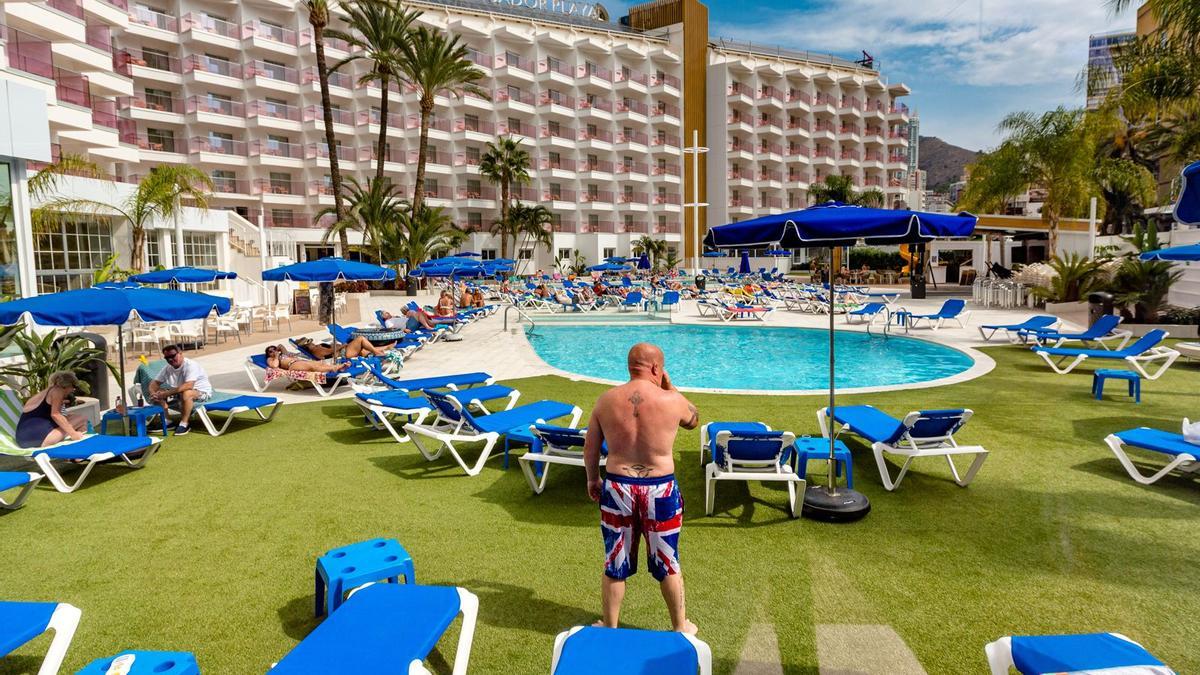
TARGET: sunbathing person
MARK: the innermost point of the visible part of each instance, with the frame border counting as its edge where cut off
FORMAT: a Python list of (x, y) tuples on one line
[(445, 305), (359, 346), (278, 357), (412, 320)]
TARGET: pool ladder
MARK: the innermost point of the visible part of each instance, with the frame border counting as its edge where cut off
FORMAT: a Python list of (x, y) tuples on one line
[(887, 324), (520, 315)]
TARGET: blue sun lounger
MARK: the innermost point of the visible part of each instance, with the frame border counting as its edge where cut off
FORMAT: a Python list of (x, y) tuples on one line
[(1101, 333), (1147, 350), (232, 406), (952, 310), (751, 456), (452, 382), (9, 480), (456, 424), (628, 651), (1185, 457), (386, 628), (381, 407), (867, 313), (923, 433), (147, 663), (258, 362), (1013, 330), (21, 622), (1065, 654), (553, 445)]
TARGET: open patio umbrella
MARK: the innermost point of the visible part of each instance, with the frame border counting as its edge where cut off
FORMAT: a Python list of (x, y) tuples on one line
[(778, 252), (182, 275), (829, 225), (713, 254), (112, 304), (1185, 253), (609, 267), (470, 254), (329, 270)]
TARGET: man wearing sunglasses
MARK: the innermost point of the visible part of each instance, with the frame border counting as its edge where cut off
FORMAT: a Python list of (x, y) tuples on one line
[(182, 384)]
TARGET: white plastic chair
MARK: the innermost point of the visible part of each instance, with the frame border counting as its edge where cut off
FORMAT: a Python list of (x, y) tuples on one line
[(190, 332), (225, 325)]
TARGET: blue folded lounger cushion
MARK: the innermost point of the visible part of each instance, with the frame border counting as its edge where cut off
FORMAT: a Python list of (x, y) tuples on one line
[(251, 402), (870, 422), (92, 445), (1034, 655), (628, 652), (403, 401), (380, 629), (23, 621), (12, 479), (500, 422), (1157, 440)]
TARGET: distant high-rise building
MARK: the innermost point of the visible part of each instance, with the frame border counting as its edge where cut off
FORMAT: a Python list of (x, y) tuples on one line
[(1102, 76), (914, 143)]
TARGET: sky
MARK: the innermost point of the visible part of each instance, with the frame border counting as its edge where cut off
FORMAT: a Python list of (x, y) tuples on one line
[(968, 62)]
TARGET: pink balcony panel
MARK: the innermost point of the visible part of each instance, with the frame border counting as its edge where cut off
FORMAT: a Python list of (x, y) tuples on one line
[(69, 7), (630, 76), (277, 149), (272, 71), (562, 163), (474, 125), (596, 103), (215, 106), (212, 65), (104, 112), (632, 106), (273, 33), (589, 70), (516, 129), (28, 53), (548, 98), (148, 17), (502, 95), (597, 196), (209, 24), (548, 66), (513, 61), (634, 137), (802, 96), (279, 111), (481, 192), (596, 135), (557, 195), (72, 88), (664, 79), (228, 185), (663, 108), (632, 198), (316, 113), (668, 170)]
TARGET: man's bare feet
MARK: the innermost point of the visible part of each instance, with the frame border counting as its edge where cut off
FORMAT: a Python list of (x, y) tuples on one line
[(688, 627)]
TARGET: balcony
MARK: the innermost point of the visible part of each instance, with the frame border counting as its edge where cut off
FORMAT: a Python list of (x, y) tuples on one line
[(207, 65), (212, 30), (627, 140), (736, 92), (559, 164), (513, 65), (228, 185), (520, 129), (72, 88), (668, 198), (289, 218), (628, 108), (668, 228), (480, 192), (633, 79), (557, 104), (797, 151), (434, 161), (850, 104), (552, 195), (599, 166), (555, 71), (768, 150), (797, 96), (141, 16), (261, 32), (336, 80), (736, 121), (633, 168), (635, 227), (769, 176), (741, 203), (142, 64), (157, 104), (268, 110), (663, 83), (69, 7), (157, 143), (278, 149), (563, 135), (568, 227), (739, 176), (344, 153), (506, 99), (798, 177), (370, 153), (275, 186), (596, 197), (593, 138), (99, 36), (217, 146), (588, 73), (774, 203), (770, 125), (898, 111), (317, 114), (484, 61), (824, 129), (663, 112), (664, 142), (263, 70), (463, 159), (215, 106), (631, 197), (372, 117), (666, 170), (473, 125), (770, 97), (104, 113), (595, 107), (598, 226)]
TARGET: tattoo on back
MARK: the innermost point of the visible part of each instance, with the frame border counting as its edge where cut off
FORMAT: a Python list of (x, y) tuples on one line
[(695, 415), (636, 400), (638, 470)]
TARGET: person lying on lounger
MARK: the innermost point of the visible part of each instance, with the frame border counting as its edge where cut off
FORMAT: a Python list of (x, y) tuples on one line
[(278, 357), (359, 346), (410, 321)]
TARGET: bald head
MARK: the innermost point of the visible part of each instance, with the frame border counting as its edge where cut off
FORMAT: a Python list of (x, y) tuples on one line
[(645, 359)]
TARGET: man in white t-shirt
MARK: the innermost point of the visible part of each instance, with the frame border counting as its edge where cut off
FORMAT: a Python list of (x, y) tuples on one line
[(182, 383)]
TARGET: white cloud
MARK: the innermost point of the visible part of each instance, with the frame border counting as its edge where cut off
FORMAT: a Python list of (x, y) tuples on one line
[(1013, 42)]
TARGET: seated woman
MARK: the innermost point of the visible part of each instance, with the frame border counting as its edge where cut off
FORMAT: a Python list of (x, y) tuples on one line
[(445, 306), (42, 421), (278, 357), (359, 346)]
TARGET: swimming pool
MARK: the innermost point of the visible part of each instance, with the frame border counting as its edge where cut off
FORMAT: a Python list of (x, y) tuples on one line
[(763, 358)]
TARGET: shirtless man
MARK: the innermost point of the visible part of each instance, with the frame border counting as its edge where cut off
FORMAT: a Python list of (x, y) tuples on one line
[(639, 496)]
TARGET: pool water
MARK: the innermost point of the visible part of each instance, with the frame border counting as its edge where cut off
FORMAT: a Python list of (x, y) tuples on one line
[(764, 358)]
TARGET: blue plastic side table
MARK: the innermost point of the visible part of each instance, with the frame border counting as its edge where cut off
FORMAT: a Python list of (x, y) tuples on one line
[(521, 435), (139, 414), (345, 568), (808, 448), (1135, 382), (167, 663)]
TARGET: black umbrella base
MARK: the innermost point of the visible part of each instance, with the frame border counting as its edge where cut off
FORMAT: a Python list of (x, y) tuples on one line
[(842, 506)]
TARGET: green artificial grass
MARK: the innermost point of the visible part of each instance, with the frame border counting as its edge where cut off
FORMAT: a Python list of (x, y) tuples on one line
[(210, 549)]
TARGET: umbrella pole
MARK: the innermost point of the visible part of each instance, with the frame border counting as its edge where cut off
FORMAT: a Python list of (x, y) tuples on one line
[(121, 384), (832, 388)]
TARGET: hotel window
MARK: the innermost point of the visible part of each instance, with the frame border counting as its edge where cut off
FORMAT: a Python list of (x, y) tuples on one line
[(474, 189), (627, 163), (627, 103), (662, 194), (593, 162), (431, 187), (276, 107), (762, 200), (553, 127), (628, 192), (592, 99), (626, 73), (475, 220), (564, 254), (554, 95), (555, 191), (514, 93), (735, 196), (273, 30), (662, 165), (68, 254), (224, 180), (592, 130), (281, 183), (162, 140), (219, 103), (275, 70), (628, 221), (159, 99), (662, 222), (283, 249), (556, 220), (610, 252), (473, 155), (219, 141), (153, 254), (553, 63), (200, 250), (662, 137), (627, 132), (735, 169), (471, 122), (156, 58), (487, 254), (283, 218), (278, 144), (593, 221), (431, 155), (660, 75), (555, 160), (589, 67), (218, 65), (8, 237), (512, 59), (514, 125), (593, 192), (525, 254)]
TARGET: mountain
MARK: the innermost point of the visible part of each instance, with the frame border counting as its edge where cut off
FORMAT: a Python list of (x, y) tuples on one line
[(943, 163)]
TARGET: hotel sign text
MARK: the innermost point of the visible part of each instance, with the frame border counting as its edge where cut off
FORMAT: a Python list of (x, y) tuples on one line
[(590, 10)]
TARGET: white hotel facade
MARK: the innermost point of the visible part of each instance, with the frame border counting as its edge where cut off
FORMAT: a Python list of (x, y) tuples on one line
[(604, 108)]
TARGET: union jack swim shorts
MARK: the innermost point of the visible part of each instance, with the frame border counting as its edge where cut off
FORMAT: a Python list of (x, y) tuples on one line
[(631, 508)]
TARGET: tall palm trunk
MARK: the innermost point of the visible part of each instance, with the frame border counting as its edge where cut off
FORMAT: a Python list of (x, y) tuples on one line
[(326, 302), (380, 155), (419, 191), (505, 200), (137, 247)]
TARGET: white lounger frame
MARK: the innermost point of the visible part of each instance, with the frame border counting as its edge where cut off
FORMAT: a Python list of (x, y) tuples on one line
[(52, 474), (910, 449), (770, 470), (1013, 336), (703, 652), (1000, 659), (262, 385), (935, 324), (26, 489), (380, 416), (1121, 335), (448, 432), (64, 621), (757, 312), (1183, 462), (550, 455), (211, 426), (1139, 363)]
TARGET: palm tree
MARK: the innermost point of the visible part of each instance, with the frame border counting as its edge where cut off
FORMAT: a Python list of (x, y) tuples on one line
[(160, 196), (370, 209), (841, 189), (318, 18), (506, 164), (1052, 151), (534, 226), (421, 234), (435, 64), (380, 29), (652, 248)]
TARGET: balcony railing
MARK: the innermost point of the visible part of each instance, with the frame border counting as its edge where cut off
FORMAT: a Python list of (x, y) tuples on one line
[(737, 89), (601, 135), (562, 163), (635, 227), (279, 111), (435, 124), (513, 61), (798, 151), (772, 203), (317, 113), (156, 103), (664, 140), (824, 99), (873, 106), (29, 54), (272, 71), (547, 131), (275, 186), (823, 152), (210, 24), (463, 159), (899, 109), (596, 196), (431, 157), (633, 137), (770, 148), (633, 167), (321, 150), (664, 79), (504, 95), (592, 70), (667, 170), (278, 34), (849, 129), (874, 131), (554, 98), (798, 177), (156, 143), (798, 124), (663, 108), (119, 4), (768, 93), (873, 157), (555, 66), (515, 128), (770, 175), (230, 185), (736, 202), (72, 88), (851, 102), (632, 107), (104, 112), (69, 7), (437, 192), (390, 154), (479, 58), (626, 75), (474, 124), (737, 118), (632, 198), (99, 35), (802, 96), (557, 195), (319, 188), (277, 149), (606, 226), (336, 79), (769, 122), (123, 60), (214, 66), (525, 193), (215, 106), (597, 166), (217, 145), (595, 103), (667, 228), (480, 192), (823, 126), (372, 116), (148, 17), (874, 182), (667, 198)]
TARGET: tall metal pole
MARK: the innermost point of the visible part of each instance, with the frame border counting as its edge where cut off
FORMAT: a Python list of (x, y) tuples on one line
[(832, 386)]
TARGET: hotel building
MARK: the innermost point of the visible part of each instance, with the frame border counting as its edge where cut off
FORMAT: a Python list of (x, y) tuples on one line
[(604, 108), (1102, 76)]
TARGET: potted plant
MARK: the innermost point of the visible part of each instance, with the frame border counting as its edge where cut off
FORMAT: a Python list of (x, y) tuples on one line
[(1140, 288), (1074, 278), (45, 355)]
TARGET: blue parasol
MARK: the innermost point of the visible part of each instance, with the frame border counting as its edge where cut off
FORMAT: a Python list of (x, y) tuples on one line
[(835, 224), (325, 270), (643, 262), (1187, 209), (609, 267), (182, 275), (1186, 253)]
